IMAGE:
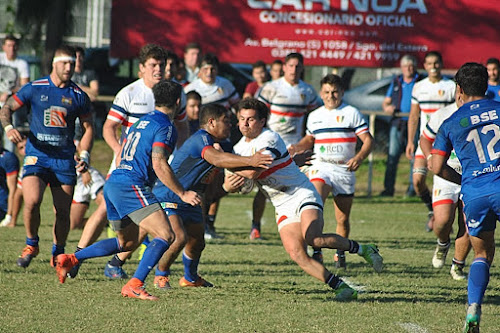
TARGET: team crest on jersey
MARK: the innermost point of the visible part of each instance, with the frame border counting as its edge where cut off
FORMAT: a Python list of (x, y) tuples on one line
[(66, 100), (340, 119), (30, 160), (437, 192), (303, 97), (44, 98), (441, 92), (220, 91), (55, 116)]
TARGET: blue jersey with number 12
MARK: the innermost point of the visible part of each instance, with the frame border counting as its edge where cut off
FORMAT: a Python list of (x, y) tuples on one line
[(474, 132), (136, 166)]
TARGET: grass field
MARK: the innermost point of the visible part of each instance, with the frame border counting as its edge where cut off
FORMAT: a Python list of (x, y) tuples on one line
[(258, 288)]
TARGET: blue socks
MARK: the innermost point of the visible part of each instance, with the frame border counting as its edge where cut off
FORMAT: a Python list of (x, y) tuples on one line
[(99, 249), (162, 273), (32, 241), (479, 276), (151, 256), (190, 267), (57, 250)]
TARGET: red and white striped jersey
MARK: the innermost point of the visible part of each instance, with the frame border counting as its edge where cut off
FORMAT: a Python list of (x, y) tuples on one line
[(335, 133), (288, 105), (431, 96)]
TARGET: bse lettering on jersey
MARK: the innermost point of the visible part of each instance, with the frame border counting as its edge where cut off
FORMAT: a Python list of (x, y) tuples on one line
[(55, 116)]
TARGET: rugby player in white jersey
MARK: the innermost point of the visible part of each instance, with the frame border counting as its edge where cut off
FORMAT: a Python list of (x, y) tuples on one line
[(289, 99), (299, 207), (332, 130), (429, 95), (445, 201)]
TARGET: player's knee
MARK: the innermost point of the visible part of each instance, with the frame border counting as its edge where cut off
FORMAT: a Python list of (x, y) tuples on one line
[(179, 243), (298, 255)]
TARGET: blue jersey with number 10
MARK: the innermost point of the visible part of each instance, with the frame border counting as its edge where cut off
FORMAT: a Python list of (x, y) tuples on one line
[(474, 132), (136, 166)]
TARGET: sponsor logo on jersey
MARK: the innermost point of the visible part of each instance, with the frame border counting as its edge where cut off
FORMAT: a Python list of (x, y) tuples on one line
[(66, 100), (170, 205), (44, 98), (464, 122), (142, 124), (55, 116), (30, 160), (473, 223)]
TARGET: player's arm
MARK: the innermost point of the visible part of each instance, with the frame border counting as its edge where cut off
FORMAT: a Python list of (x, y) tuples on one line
[(10, 106), (306, 143), (165, 174), (366, 148), (443, 170), (109, 134), (412, 130), (426, 146), (222, 159), (86, 142)]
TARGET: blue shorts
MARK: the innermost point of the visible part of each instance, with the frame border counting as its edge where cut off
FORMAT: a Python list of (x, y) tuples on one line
[(52, 171), (481, 214), (122, 199), (189, 214)]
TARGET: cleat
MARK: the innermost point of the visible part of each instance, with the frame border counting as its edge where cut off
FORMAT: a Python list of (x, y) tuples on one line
[(457, 273), (345, 293), (211, 234), (439, 256), (74, 271), (29, 252), (472, 319), (115, 272), (370, 253), (255, 234), (200, 282), (430, 222), (318, 256), (65, 262), (110, 233), (140, 251), (135, 289), (162, 282), (340, 261)]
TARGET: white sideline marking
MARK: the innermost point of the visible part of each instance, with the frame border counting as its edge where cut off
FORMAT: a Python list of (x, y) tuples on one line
[(413, 328)]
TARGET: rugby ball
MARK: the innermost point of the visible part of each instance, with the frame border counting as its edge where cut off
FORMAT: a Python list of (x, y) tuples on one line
[(247, 186)]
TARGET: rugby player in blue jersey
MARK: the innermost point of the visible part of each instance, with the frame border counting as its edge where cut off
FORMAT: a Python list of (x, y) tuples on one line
[(129, 201), (196, 164), (474, 132), (55, 102)]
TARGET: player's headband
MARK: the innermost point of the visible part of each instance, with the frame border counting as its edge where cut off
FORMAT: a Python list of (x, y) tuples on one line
[(63, 58)]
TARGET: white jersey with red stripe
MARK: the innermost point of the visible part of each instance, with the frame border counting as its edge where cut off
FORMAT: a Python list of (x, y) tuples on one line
[(335, 134), (432, 127), (135, 101), (431, 96), (288, 104), (221, 92), (283, 179)]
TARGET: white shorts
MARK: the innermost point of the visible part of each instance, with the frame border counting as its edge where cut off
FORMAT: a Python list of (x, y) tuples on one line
[(83, 194), (342, 182), (303, 199), (444, 192)]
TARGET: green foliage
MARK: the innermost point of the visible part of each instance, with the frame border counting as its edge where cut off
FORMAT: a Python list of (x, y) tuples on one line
[(258, 287)]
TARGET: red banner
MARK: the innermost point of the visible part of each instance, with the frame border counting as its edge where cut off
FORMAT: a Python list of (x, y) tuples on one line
[(368, 33)]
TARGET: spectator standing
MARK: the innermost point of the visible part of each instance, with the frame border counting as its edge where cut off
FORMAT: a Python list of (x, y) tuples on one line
[(397, 101), (493, 92), (259, 73), (14, 73), (192, 57)]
